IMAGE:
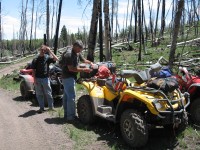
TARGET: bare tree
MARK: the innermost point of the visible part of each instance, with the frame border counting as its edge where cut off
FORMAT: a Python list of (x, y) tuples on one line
[(52, 20), (31, 34), (107, 38), (140, 30), (176, 27), (93, 31), (162, 19), (47, 21)]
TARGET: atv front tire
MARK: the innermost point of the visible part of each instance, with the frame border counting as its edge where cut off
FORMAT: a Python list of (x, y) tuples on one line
[(85, 110), (133, 128), (195, 111), (23, 90), (181, 127)]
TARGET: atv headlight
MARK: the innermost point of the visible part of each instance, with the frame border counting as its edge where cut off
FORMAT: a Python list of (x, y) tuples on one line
[(157, 105)]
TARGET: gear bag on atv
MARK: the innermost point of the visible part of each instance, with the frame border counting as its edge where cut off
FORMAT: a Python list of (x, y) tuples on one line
[(167, 85), (165, 72)]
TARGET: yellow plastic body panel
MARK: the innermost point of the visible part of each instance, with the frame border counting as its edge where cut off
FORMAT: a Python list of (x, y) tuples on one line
[(94, 90), (129, 96), (109, 95)]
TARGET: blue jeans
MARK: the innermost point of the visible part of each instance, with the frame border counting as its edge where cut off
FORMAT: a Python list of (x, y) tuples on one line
[(69, 98), (43, 90)]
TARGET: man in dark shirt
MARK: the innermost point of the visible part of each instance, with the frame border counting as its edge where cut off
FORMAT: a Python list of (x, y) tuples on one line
[(70, 69), (40, 66)]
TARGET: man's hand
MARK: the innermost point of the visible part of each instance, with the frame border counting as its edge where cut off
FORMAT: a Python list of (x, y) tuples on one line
[(87, 70)]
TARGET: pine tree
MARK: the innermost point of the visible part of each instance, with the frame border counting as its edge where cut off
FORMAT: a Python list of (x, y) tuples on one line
[(63, 36)]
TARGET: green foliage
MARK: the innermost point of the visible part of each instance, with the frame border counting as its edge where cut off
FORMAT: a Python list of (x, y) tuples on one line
[(63, 36), (7, 82)]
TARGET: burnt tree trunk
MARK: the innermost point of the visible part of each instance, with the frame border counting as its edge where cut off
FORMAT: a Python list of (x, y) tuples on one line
[(57, 27), (93, 31), (47, 21), (107, 30), (100, 33), (136, 12), (140, 30), (31, 34), (162, 19), (176, 27)]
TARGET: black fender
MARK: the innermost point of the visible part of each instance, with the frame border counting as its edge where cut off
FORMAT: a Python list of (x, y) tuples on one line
[(29, 81)]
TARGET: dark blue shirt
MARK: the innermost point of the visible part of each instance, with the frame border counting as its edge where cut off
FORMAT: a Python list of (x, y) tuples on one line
[(41, 65)]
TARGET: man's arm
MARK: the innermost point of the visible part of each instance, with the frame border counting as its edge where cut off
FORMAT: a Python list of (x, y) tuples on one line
[(55, 58), (85, 60), (78, 69), (34, 80)]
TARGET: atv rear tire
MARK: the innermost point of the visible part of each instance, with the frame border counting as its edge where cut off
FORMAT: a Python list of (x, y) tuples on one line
[(133, 128), (195, 111), (23, 90), (85, 110)]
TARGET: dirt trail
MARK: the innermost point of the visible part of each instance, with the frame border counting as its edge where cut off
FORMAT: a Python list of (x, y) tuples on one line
[(10, 68), (21, 128)]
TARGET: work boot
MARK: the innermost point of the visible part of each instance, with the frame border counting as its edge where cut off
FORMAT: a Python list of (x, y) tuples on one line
[(41, 110)]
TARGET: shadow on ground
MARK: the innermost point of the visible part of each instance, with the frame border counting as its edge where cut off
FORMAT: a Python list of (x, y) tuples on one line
[(28, 114), (34, 103), (159, 138)]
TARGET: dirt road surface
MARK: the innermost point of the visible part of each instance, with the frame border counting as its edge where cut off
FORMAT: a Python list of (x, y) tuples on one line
[(21, 128), (11, 68)]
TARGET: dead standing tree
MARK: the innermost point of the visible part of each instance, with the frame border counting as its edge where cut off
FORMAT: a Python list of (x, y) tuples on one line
[(162, 19), (0, 33), (176, 27), (47, 21), (93, 31), (31, 34), (107, 38), (23, 27)]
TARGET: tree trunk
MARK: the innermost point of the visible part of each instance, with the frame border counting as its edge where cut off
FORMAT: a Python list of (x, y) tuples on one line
[(107, 30), (52, 21), (131, 19), (57, 27), (151, 21), (176, 27), (156, 23), (140, 30), (47, 21), (100, 32), (93, 31), (31, 34), (112, 17), (136, 23), (0, 34), (162, 19)]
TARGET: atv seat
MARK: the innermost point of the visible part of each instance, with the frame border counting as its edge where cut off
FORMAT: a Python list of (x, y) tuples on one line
[(109, 85), (140, 76), (118, 85)]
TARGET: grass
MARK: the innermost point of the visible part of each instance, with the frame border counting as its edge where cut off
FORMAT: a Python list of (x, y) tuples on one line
[(7, 82), (190, 139)]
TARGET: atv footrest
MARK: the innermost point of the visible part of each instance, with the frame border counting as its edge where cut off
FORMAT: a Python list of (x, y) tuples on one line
[(104, 109)]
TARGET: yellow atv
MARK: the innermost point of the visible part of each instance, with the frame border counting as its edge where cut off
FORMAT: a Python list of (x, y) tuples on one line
[(133, 105)]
